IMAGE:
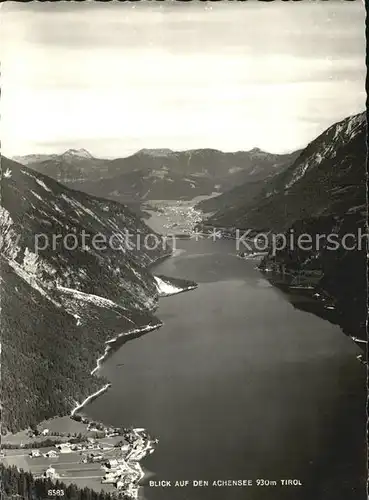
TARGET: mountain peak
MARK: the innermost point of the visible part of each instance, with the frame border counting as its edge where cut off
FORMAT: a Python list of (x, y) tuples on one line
[(256, 151), (81, 153), (156, 152)]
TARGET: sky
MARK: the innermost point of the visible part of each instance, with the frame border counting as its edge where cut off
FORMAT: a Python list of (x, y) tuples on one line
[(114, 78)]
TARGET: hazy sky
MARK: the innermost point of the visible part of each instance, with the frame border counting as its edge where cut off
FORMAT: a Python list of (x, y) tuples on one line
[(116, 77)]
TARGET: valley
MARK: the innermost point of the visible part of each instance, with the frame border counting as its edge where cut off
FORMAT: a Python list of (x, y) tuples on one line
[(183, 250), (99, 305)]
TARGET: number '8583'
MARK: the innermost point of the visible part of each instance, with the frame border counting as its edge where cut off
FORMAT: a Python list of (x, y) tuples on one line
[(55, 493)]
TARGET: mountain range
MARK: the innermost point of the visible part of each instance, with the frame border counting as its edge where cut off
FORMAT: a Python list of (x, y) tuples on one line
[(158, 174), (69, 167), (328, 176)]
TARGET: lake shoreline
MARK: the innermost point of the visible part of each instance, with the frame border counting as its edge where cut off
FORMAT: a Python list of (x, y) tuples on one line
[(178, 286), (166, 286), (226, 339)]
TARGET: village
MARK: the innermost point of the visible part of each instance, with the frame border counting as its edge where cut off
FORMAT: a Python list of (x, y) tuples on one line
[(101, 458), (173, 217)]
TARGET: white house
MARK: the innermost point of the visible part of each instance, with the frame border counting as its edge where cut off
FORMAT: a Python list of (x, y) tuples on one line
[(50, 454), (51, 473), (65, 448)]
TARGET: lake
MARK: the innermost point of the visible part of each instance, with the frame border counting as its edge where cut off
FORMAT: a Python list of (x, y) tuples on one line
[(240, 384)]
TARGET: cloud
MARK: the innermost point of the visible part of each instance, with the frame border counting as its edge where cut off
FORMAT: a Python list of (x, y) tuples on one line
[(241, 75)]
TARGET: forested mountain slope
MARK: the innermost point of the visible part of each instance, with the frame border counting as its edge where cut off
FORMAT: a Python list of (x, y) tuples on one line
[(60, 301)]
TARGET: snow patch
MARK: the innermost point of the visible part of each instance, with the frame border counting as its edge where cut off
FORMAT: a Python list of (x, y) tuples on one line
[(42, 184), (30, 262), (76, 204), (96, 300), (9, 239), (165, 289), (297, 175), (57, 208), (78, 319), (37, 195)]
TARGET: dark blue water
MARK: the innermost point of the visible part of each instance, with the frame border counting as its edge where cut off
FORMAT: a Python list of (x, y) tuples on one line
[(239, 384)]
